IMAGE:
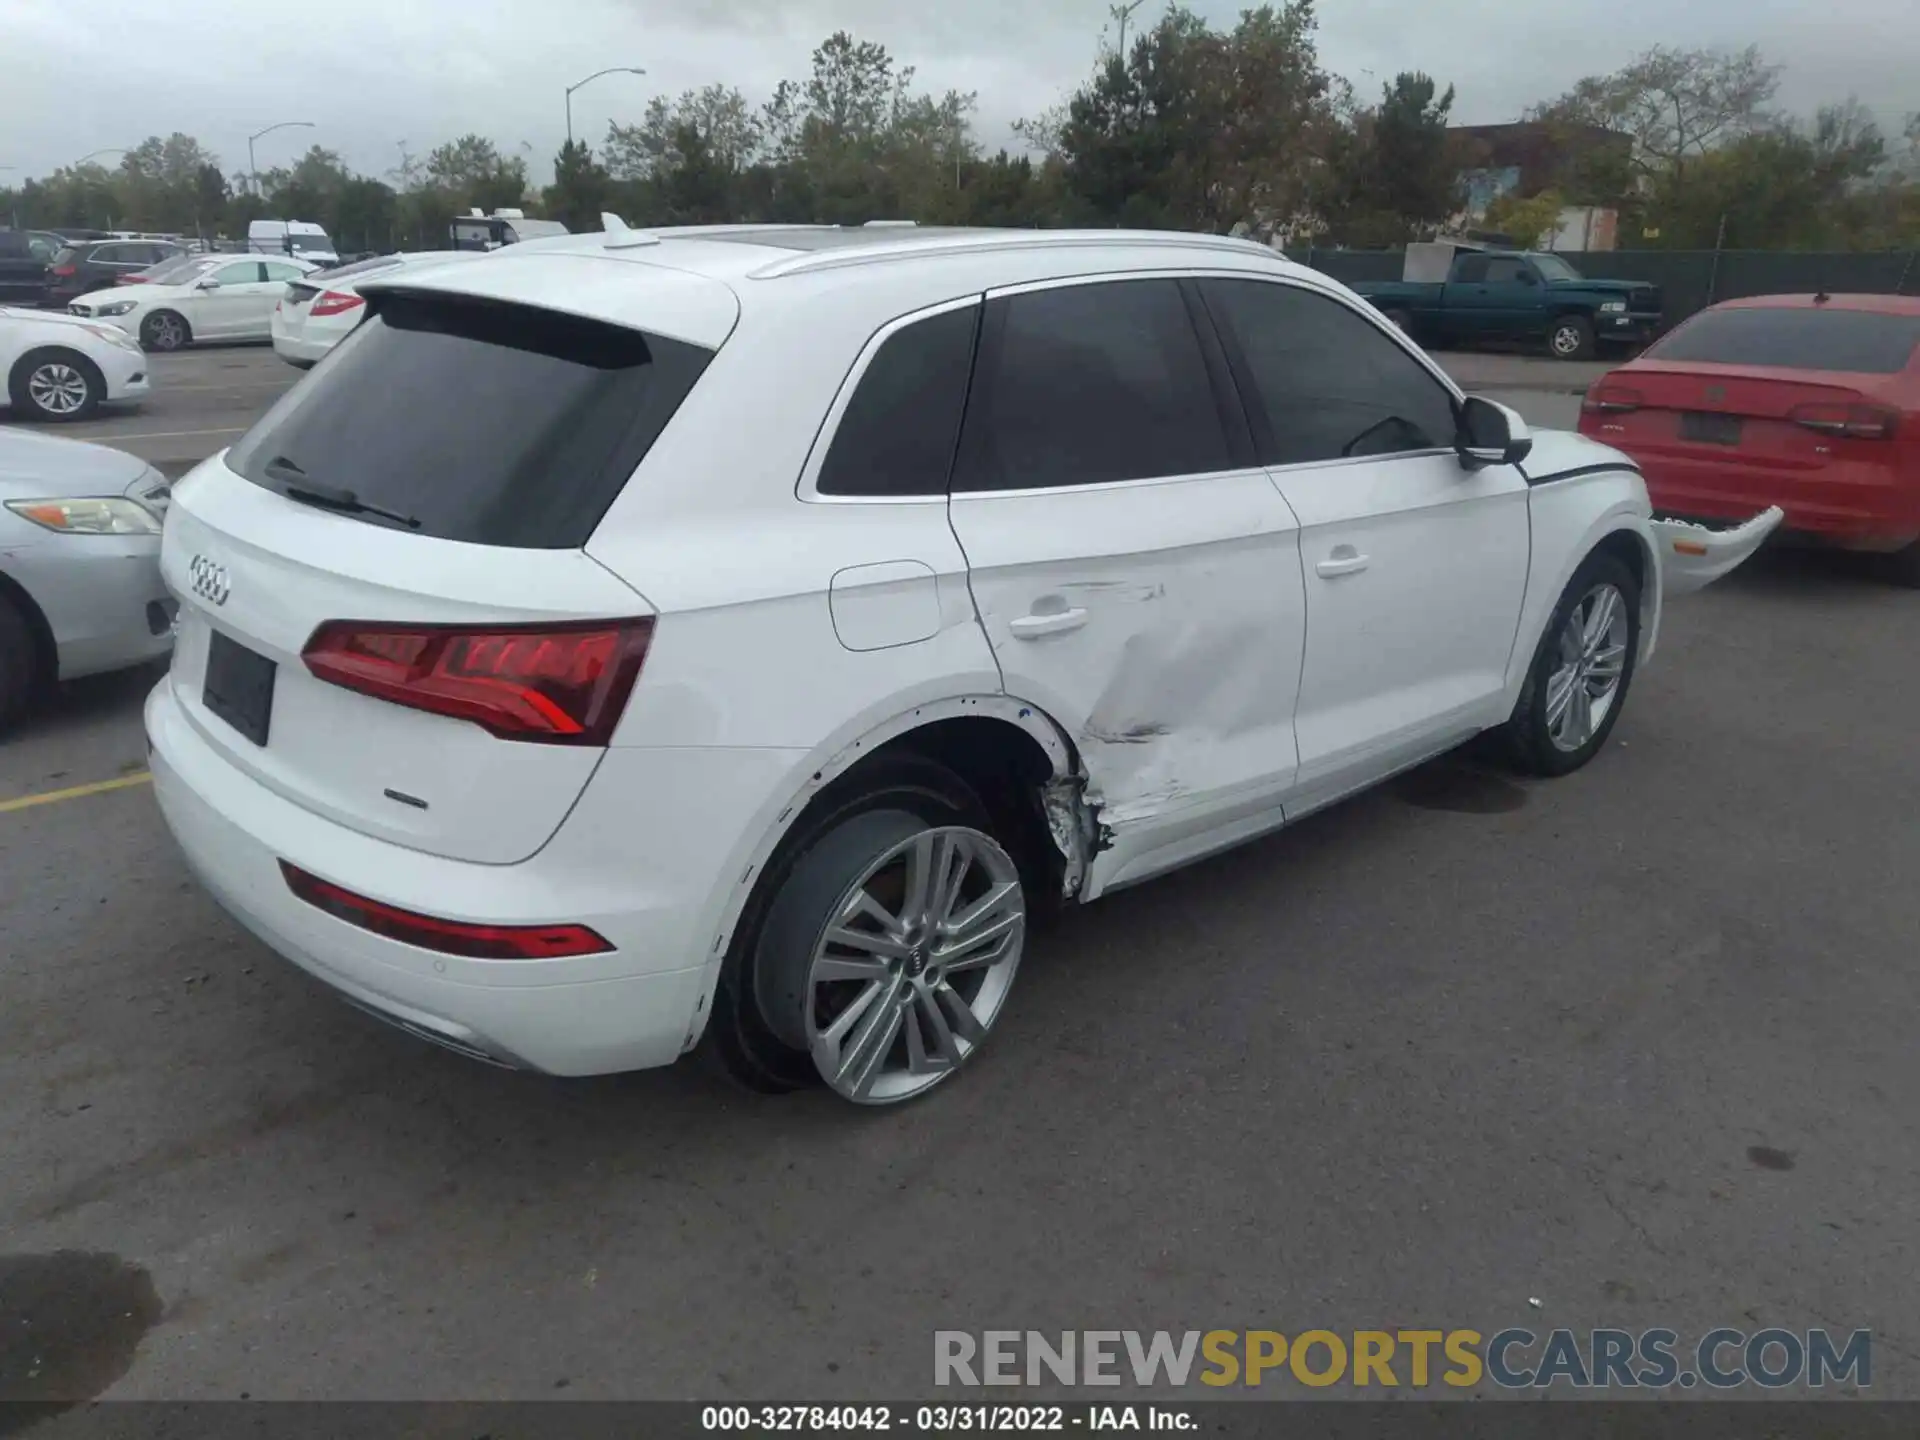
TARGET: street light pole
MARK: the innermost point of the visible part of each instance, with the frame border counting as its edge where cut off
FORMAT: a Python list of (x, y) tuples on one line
[(253, 171), (110, 150), (610, 70)]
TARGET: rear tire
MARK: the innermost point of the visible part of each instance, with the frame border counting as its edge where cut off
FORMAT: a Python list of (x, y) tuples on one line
[(759, 1020), (58, 386), (1570, 337), (19, 665), (1581, 672), (164, 331), (1903, 567)]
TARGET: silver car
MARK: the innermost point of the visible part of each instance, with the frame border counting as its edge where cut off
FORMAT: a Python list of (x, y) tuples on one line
[(80, 589)]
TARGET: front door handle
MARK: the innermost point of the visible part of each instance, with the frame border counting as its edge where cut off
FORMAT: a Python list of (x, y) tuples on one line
[(1032, 627), (1345, 560)]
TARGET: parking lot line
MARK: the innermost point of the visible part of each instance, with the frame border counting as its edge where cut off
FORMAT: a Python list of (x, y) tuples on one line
[(75, 792)]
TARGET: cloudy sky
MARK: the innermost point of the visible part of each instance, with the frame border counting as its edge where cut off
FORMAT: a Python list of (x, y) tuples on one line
[(374, 73)]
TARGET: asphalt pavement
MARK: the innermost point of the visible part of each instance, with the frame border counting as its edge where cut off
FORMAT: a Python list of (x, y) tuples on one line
[(1631, 1048)]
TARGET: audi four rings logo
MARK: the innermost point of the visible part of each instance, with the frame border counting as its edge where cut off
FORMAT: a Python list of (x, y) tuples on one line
[(210, 579)]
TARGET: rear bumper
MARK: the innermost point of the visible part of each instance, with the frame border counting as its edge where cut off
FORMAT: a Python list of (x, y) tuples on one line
[(1633, 328), (293, 345), (1854, 506), (638, 1006)]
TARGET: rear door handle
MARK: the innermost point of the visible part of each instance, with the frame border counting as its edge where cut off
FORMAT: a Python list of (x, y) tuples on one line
[(1345, 560), (1032, 627)]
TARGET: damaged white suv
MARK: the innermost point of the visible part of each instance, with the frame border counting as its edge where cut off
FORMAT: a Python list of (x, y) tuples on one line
[(748, 630)]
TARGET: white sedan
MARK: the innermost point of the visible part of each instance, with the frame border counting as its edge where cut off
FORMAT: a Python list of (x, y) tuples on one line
[(322, 309), (61, 367), (230, 301)]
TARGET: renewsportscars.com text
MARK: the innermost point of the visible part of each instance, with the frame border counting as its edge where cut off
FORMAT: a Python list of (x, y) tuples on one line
[(1514, 1359)]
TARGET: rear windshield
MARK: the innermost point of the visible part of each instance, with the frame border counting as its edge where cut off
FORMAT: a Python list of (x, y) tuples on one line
[(1859, 342), (472, 420)]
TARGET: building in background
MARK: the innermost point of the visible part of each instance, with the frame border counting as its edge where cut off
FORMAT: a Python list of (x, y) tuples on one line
[(1529, 156)]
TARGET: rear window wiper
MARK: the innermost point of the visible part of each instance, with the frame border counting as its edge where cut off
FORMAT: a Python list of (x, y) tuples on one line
[(296, 486)]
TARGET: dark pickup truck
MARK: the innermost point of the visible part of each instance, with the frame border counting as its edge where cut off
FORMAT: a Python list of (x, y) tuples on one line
[(1480, 295)]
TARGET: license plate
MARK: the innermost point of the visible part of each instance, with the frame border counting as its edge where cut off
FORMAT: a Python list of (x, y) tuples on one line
[(239, 686), (1710, 429)]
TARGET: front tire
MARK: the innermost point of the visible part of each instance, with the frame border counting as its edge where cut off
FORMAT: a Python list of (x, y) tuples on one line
[(887, 943), (20, 674), (1581, 672), (165, 331), (1570, 337), (59, 386)]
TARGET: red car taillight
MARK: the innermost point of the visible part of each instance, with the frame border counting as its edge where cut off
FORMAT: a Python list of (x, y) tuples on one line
[(554, 684), (1611, 399), (450, 937), (332, 302), (1856, 422), (131, 280), (65, 272)]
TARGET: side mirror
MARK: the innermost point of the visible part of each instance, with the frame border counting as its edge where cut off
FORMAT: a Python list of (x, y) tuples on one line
[(1487, 433), (206, 283)]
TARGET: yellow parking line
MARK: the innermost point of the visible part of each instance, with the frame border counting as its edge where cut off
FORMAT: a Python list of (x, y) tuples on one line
[(75, 792)]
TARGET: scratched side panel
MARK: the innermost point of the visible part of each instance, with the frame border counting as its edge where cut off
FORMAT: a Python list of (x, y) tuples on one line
[(1179, 683)]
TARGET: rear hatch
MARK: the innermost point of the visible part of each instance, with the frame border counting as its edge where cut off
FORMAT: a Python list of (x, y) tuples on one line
[(409, 521), (1795, 390)]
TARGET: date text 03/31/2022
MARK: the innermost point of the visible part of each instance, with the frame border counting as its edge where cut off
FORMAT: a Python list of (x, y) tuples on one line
[(944, 1419)]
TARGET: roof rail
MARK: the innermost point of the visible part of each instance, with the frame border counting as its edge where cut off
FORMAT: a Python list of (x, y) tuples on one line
[(891, 225), (881, 250)]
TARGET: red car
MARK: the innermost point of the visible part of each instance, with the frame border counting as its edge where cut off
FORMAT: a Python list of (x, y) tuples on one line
[(1808, 402)]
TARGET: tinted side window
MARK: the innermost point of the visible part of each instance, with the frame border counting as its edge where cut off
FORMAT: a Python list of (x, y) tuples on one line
[(238, 274), (897, 434), (1088, 384), (280, 270), (1508, 272), (1470, 269), (1328, 383)]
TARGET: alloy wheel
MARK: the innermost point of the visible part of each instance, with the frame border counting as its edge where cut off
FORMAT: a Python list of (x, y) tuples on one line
[(914, 965), (1585, 683), (57, 388), (1566, 340)]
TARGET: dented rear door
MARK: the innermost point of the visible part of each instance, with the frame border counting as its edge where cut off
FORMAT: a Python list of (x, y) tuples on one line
[(1134, 576)]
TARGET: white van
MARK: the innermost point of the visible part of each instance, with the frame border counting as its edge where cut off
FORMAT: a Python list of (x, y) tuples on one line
[(475, 231), (301, 239)]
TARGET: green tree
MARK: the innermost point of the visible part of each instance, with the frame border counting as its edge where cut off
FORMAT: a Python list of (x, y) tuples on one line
[(580, 189), (1677, 105), (1200, 129), (1391, 170)]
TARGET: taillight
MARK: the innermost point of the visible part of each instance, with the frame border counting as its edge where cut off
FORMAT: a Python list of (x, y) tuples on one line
[(554, 684), (332, 302), (1856, 422), (1611, 399), (65, 272), (450, 937)]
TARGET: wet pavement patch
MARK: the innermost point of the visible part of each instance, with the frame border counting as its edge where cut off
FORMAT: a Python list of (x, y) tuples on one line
[(1463, 789), (70, 1323)]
